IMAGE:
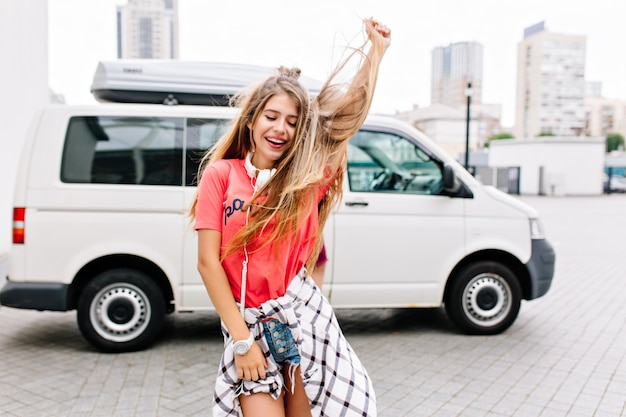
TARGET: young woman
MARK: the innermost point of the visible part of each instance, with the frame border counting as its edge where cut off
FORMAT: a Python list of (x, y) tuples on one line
[(265, 192)]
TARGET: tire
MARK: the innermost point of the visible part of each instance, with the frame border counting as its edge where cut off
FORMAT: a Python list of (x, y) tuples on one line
[(121, 310), (483, 298)]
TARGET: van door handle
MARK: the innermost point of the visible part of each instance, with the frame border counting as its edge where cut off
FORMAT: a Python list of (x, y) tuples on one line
[(356, 203)]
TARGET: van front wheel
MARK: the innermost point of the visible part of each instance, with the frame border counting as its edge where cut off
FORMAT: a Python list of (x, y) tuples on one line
[(121, 310), (483, 298)]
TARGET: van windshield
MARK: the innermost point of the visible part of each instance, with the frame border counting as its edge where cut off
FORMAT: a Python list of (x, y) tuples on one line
[(386, 162)]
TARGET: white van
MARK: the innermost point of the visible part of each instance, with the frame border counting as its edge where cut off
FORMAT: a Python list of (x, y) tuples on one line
[(100, 225)]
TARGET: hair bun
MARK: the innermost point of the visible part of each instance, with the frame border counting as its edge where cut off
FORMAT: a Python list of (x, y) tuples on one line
[(289, 72)]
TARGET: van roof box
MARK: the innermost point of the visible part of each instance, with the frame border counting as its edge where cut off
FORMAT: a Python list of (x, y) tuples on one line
[(178, 82)]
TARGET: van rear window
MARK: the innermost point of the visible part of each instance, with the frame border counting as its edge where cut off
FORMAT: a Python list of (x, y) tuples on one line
[(135, 150)]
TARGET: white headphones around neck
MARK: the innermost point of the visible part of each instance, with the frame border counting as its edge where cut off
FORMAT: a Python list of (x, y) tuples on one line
[(261, 176)]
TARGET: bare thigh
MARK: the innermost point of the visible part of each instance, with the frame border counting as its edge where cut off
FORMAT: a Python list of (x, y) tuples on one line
[(296, 404), (262, 405)]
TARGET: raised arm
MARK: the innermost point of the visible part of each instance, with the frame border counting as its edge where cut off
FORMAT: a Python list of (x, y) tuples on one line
[(342, 110)]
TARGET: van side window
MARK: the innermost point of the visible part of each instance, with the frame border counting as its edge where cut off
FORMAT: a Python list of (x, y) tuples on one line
[(123, 150), (201, 135), (385, 162)]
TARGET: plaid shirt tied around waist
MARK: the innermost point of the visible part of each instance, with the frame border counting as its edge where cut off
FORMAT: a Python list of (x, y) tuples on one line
[(341, 387)]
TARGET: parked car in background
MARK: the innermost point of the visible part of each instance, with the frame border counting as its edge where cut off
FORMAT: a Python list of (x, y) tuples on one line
[(614, 184), (100, 224)]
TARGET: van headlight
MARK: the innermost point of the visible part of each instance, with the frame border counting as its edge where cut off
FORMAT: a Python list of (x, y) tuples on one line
[(536, 229)]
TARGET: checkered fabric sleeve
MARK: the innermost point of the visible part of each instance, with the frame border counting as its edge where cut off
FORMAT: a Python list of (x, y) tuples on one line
[(335, 381)]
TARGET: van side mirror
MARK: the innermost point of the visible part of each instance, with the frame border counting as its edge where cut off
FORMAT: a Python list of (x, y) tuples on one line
[(450, 183)]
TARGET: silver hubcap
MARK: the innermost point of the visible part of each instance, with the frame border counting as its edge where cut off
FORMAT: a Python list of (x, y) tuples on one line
[(486, 299), (120, 312)]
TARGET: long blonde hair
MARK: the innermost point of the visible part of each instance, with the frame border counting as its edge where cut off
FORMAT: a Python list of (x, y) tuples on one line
[(318, 153)]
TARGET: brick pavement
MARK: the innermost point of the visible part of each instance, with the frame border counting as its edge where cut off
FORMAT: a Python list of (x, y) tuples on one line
[(564, 356)]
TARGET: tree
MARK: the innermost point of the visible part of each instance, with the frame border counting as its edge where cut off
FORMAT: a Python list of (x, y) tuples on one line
[(614, 142), (498, 136)]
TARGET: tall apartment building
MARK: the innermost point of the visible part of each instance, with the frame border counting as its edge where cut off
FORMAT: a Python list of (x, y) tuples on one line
[(550, 84), (147, 29), (453, 67)]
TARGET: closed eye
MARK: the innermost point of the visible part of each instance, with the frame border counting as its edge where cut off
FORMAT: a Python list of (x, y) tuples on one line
[(289, 122)]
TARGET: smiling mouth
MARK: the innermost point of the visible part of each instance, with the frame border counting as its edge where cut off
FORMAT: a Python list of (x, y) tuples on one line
[(275, 141)]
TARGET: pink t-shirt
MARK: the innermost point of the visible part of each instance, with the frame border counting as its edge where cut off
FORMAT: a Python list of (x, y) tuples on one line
[(224, 190)]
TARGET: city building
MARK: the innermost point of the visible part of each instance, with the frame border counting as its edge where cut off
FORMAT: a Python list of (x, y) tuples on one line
[(24, 84), (453, 69), (604, 116), (456, 83), (550, 84), (447, 125), (552, 165), (147, 29)]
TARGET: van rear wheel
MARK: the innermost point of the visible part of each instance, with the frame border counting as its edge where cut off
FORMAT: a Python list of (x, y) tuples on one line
[(121, 310), (483, 298)]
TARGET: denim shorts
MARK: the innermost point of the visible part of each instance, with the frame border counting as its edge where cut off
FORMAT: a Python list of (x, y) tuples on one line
[(280, 341)]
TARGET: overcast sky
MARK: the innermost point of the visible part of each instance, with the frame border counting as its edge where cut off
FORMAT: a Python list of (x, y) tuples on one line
[(313, 34)]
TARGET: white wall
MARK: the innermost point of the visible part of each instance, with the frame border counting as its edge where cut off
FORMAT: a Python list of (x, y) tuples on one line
[(571, 166), (24, 86)]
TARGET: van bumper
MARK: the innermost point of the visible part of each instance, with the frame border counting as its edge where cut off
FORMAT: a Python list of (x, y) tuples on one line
[(540, 268), (35, 296)]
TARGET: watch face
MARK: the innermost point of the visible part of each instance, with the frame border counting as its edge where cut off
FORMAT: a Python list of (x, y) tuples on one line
[(241, 348)]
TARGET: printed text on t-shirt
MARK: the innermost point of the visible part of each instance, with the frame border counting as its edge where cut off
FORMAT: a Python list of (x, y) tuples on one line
[(230, 210)]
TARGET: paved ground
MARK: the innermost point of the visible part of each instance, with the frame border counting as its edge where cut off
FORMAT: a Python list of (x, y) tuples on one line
[(564, 356)]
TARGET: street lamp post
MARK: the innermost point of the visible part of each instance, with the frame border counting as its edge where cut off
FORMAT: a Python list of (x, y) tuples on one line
[(468, 93)]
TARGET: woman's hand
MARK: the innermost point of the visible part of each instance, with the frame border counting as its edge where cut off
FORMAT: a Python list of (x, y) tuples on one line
[(376, 28), (252, 365)]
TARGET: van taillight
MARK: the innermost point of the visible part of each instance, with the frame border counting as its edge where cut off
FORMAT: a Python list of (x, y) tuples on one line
[(18, 224)]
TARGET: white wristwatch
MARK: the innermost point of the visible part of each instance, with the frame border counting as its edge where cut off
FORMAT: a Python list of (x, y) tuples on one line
[(242, 347)]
